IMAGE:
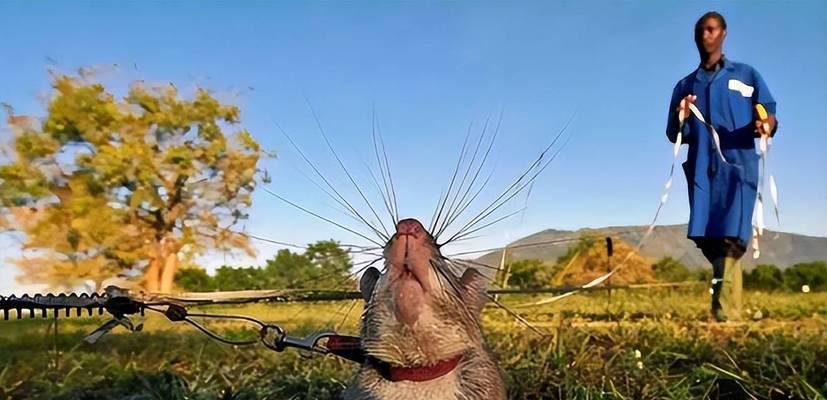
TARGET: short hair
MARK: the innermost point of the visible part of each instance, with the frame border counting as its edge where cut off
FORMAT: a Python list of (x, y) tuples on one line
[(711, 14), (699, 30)]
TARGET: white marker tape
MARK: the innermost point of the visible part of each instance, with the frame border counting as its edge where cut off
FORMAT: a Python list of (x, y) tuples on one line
[(678, 137)]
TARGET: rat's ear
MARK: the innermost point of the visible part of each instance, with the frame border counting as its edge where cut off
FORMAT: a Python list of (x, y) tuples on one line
[(474, 290), (368, 281)]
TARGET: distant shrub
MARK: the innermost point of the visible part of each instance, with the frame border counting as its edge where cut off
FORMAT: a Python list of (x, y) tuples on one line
[(194, 280), (323, 265), (812, 274), (766, 277), (668, 269), (703, 275), (530, 274)]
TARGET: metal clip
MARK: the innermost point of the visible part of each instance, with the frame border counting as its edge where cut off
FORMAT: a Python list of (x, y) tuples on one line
[(93, 337), (276, 339)]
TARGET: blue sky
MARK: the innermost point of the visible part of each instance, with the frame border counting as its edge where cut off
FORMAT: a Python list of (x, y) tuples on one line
[(430, 69)]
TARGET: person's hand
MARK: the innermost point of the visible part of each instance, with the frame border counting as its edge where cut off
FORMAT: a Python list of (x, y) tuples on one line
[(765, 126), (683, 108)]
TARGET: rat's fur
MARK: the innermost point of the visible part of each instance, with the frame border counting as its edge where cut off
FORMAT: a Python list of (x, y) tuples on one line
[(419, 312)]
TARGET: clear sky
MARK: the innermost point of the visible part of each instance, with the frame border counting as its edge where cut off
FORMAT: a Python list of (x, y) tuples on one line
[(431, 68)]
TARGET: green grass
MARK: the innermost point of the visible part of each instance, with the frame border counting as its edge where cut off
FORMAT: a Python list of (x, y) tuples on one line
[(644, 345)]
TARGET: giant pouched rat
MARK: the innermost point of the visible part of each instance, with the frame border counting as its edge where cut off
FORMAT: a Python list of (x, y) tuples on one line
[(421, 327)]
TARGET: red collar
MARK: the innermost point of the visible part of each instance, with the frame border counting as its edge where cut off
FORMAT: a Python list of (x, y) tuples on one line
[(414, 374), (349, 347), (421, 374)]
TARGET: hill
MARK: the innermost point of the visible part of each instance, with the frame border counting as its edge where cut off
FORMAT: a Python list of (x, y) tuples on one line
[(779, 248)]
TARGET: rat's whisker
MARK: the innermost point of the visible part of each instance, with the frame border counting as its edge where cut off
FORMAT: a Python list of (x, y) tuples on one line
[(442, 205), (347, 173), (321, 217), (344, 201)]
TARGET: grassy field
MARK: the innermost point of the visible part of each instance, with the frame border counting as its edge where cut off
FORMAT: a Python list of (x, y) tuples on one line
[(653, 344)]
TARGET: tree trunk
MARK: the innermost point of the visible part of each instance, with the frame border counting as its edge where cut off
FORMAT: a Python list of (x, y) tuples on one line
[(159, 275), (168, 274), (152, 274)]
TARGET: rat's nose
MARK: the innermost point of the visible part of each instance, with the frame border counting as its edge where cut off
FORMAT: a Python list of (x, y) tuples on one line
[(410, 227)]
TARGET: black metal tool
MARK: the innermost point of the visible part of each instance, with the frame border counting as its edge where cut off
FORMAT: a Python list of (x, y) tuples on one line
[(120, 303)]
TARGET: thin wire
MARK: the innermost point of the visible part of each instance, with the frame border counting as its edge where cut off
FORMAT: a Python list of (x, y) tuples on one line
[(218, 316)]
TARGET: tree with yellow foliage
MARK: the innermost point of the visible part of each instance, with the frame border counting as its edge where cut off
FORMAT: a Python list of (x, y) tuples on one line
[(105, 186)]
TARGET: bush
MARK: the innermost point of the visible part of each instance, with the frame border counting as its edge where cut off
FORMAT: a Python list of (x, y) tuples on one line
[(764, 277), (812, 274), (194, 280), (324, 265), (530, 274), (703, 275), (669, 269)]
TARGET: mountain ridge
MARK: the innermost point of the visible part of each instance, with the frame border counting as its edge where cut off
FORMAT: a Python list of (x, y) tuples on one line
[(782, 249)]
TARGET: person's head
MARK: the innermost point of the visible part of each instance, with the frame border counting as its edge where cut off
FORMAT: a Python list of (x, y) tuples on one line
[(710, 32)]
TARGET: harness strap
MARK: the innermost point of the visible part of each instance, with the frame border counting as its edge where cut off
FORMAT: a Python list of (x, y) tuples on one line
[(350, 348), (347, 347), (415, 374)]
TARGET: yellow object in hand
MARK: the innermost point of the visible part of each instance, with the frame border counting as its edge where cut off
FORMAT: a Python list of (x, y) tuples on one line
[(763, 115), (762, 112)]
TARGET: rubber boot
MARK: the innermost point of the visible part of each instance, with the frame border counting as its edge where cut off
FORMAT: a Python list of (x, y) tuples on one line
[(732, 295), (718, 267)]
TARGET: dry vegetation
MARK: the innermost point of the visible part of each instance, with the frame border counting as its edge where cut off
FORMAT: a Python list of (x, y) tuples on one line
[(641, 345)]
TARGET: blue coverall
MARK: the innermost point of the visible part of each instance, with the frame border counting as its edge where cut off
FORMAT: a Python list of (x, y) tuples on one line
[(721, 194)]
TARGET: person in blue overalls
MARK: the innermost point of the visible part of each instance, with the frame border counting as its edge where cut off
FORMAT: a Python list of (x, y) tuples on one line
[(722, 193)]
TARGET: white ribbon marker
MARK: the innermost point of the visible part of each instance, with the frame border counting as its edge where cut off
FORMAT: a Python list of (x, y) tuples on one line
[(757, 228)]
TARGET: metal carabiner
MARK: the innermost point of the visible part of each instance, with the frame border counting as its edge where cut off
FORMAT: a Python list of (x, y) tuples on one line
[(276, 339)]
